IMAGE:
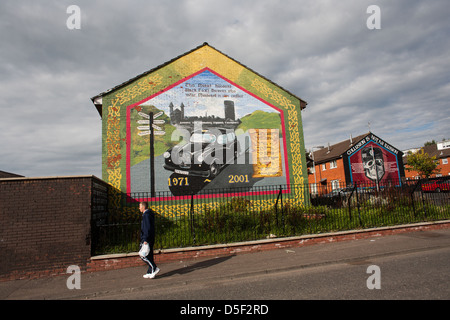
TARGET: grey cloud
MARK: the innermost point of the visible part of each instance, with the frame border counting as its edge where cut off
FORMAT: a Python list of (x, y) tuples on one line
[(397, 77)]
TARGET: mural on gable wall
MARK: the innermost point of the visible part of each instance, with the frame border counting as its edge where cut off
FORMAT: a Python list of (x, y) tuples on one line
[(211, 135), (218, 126), (373, 160)]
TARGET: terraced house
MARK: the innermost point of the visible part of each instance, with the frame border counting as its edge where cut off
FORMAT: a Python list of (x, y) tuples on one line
[(440, 150), (364, 159), (199, 123)]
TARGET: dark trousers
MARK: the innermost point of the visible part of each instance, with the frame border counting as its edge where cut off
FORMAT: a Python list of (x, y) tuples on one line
[(149, 258)]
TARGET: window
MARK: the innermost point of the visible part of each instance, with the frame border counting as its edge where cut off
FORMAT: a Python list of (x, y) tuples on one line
[(445, 161), (222, 139), (333, 164), (313, 188), (324, 166), (334, 184)]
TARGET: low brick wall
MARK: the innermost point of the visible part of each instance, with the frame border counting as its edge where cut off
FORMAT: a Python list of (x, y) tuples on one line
[(45, 225)]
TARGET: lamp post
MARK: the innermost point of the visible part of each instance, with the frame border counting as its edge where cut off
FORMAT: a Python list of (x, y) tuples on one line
[(314, 164)]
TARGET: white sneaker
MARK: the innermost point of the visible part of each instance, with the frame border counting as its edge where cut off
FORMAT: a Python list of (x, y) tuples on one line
[(152, 275), (147, 275)]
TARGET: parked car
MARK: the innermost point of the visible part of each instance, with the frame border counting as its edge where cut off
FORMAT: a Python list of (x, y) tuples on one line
[(339, 192), (205, 154), (436, 186)]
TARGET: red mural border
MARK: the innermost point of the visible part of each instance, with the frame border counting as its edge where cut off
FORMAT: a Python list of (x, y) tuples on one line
[(128, 144)]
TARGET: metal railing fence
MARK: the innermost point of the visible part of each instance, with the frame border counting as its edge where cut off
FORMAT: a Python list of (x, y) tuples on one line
[(240, 214)]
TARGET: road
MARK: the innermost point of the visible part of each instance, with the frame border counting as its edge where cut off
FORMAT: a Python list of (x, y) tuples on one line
[(418, 275), (406, 266), (411, 266)]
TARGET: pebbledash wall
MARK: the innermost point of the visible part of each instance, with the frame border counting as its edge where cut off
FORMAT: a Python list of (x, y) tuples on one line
[(46, 224)]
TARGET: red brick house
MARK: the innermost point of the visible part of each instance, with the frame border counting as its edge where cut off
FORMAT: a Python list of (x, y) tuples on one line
[(441, 151), (365, 159)]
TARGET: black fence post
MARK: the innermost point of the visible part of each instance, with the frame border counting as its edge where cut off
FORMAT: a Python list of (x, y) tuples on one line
[(423, 200), (191, 213), (357, 203), (276, 206), (412, 197), (350, 202), (280, 194)]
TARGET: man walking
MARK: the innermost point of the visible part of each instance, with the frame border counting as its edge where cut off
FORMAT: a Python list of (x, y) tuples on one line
[(148, 239)]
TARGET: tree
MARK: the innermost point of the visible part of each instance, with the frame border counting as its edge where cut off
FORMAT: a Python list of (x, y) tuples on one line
[(430, 143), (422, 163)]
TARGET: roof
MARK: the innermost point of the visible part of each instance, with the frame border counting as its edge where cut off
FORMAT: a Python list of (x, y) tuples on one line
[(335, 151), (4, 174), (100, 95)]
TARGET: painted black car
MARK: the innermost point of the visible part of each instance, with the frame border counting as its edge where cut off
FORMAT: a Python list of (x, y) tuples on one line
[(205, 154)]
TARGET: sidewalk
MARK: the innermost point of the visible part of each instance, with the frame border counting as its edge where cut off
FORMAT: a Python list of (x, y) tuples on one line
[(105, 284)]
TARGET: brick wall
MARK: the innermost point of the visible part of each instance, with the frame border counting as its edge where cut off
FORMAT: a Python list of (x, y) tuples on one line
[(444, 170), (329, 174), (45, 224)]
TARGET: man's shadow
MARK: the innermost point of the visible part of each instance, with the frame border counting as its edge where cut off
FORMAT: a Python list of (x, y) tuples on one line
[(196, 266)]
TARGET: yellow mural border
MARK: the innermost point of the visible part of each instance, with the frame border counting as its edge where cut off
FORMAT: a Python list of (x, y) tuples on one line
[(203, 57)]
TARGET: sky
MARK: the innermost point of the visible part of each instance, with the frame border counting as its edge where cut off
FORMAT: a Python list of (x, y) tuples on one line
[(394, 80), (208, 103)]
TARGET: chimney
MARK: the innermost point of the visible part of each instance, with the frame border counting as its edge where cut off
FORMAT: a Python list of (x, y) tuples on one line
[(229, 110)]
